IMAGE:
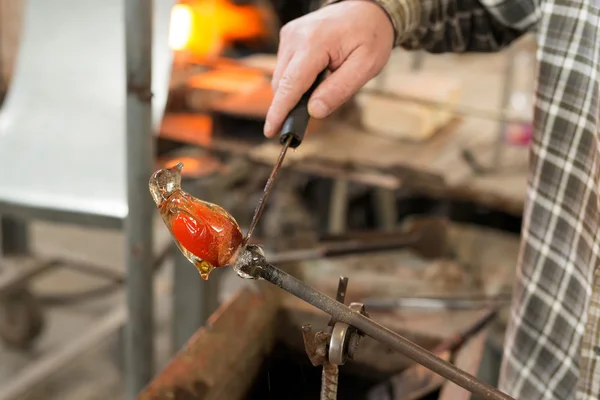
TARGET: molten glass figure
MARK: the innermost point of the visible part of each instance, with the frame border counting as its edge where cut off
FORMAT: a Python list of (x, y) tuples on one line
[(206, 234)]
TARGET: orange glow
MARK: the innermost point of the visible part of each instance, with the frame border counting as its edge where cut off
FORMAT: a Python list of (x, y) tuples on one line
[(204, 27), (180, 29), (189, 162)]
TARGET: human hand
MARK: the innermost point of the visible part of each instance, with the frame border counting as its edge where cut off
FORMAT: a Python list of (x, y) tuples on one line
[(353, 38)]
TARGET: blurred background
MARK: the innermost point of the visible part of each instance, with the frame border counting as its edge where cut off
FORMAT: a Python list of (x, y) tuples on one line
[(434, 150)]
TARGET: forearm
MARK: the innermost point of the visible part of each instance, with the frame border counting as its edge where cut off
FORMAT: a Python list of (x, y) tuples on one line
[(440, 26)]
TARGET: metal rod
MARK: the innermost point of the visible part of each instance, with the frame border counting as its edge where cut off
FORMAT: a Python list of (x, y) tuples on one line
[(139, 333), (417, 61), (338, 207), (507, 91), (344, 248), (193, 300), (263, 200), (340, 297), (343, 314)]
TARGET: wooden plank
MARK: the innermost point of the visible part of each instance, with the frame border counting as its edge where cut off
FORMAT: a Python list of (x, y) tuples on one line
[(399, 119), (350, 146), (388, 117), (227, 79), (252, 103), (433, 167), (264, 62), (404, 119), (205, 88), (342, 149), (221, 360), (187, 128)]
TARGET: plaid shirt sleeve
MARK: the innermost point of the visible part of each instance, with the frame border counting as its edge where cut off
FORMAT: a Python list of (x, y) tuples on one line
[(552, 348)]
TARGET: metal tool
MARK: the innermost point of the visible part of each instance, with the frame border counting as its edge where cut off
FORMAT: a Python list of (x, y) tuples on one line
[(440, 303), (332, 348), (251, 264), (291, 136)]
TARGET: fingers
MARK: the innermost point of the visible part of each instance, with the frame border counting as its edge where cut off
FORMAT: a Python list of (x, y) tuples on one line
[(339, 87), (295, 80), (284, 55)]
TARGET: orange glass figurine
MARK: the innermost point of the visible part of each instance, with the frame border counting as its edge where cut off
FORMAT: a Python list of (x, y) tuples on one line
[(206, 234)]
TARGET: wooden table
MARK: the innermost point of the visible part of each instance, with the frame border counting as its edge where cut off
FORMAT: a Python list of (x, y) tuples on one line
[(435, 167)]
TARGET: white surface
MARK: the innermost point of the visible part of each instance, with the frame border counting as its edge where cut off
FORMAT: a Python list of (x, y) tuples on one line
[(63, 127)]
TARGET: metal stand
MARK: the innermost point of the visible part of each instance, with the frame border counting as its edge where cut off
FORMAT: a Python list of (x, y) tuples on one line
[(98, 179), (338, 207), (507, 90), (468, 154), (251, 264), (21, 314), (15, 236), (194, 300), (139, 334), (332, 348)]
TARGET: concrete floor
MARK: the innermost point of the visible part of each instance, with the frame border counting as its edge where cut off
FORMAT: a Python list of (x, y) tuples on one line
[(97, 374)]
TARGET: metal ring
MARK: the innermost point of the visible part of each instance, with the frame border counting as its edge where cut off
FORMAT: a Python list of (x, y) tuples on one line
[(340, 336), (337, 344)]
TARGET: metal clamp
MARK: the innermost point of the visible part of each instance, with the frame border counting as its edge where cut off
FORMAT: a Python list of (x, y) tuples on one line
[(344, 339), (334, 347)]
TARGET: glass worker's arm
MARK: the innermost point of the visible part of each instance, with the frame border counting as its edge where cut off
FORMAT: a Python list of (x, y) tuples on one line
[(440, 26), (354, 40)]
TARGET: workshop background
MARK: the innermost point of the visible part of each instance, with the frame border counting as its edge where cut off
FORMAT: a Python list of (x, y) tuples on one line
[(432, 154)]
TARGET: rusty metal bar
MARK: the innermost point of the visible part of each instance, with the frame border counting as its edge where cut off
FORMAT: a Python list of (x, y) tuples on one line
[(252, 264), (329, 382), (139, 336)]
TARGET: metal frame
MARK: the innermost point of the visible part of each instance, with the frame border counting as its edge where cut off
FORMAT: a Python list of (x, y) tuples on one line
[(139, 334), (194, 300), (137, 220)]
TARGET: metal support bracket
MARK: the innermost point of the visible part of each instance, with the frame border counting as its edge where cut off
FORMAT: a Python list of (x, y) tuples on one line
[(251, 264), (332, 348)]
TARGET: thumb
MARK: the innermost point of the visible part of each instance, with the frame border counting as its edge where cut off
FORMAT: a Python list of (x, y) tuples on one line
[(342, 84)]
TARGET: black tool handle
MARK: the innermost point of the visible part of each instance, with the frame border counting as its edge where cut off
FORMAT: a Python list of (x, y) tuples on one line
[(297, 120)]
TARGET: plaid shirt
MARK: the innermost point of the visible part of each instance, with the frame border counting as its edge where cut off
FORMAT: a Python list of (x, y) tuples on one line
[(552, 348)]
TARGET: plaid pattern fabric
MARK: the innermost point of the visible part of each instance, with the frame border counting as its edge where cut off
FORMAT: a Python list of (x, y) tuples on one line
[(552, 345)]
